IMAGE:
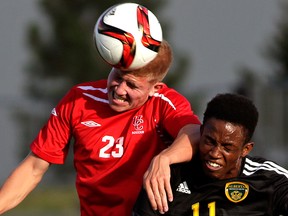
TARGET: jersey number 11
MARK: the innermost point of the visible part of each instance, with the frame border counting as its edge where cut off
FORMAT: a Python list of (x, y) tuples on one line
[(211, 206)]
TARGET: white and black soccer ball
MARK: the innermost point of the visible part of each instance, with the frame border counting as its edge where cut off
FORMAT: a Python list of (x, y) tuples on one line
[(128, 36)]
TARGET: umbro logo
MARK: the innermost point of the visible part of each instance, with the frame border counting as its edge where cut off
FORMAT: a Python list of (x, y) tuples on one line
[(183, 188), (91, 124)]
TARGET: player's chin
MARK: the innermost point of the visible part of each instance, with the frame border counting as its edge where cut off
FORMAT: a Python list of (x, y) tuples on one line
[(119, 108), (212, 174), (119, 105), (211, 170)]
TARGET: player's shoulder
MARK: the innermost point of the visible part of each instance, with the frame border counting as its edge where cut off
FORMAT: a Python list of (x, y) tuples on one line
[(91, 85), (183, 172), (166, 90), (93, 88), (167, 94), (254, 165)]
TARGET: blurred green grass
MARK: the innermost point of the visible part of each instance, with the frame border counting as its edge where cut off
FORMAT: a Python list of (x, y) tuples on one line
[(49, 201)]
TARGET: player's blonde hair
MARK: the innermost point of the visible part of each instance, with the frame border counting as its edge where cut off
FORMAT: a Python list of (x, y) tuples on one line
[(157, 69)]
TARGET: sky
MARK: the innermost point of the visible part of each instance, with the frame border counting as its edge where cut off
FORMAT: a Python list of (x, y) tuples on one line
[(217, 35)]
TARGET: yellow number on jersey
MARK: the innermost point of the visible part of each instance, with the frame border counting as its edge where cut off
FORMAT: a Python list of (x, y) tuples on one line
[(212, 208)]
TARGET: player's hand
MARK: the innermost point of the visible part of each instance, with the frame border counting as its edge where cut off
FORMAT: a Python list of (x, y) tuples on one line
[(157, 183)]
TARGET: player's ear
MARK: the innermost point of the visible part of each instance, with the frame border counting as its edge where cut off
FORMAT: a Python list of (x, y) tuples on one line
[(247, 148), (157, 86)]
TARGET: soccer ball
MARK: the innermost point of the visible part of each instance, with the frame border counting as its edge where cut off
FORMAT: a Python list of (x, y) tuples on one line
[(128, 36)]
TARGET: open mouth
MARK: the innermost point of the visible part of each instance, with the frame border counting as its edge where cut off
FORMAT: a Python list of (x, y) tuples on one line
[(118, 98), (213, 166)]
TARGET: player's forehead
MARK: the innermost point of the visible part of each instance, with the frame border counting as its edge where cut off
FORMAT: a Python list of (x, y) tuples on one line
[(130, 77), (224, 131)]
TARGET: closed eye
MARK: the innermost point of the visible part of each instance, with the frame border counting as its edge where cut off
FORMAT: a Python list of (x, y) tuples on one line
[(228, 147), (209, 141), (131, 85)]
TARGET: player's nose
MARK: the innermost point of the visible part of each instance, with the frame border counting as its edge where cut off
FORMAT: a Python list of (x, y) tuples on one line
[(120, 89)]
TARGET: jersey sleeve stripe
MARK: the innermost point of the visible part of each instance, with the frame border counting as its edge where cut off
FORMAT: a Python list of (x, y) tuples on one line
[(96, 98), (251, 167), (163, 97), (104, 90)]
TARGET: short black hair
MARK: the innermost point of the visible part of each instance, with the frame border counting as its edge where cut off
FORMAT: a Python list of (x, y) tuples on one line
[(233, 108)]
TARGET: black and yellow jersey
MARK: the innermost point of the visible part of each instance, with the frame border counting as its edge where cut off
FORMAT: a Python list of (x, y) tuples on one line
[(260, 189)]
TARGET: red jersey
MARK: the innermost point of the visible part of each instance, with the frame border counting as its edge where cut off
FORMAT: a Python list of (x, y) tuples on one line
[(112, 150)]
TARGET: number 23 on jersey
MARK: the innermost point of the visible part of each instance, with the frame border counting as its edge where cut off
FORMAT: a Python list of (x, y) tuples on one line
[(113, 148)]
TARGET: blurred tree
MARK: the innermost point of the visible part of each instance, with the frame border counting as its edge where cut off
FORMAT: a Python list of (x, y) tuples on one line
[(63, 54), (277, 50), (246, 82), (277, 54), (271, 94)]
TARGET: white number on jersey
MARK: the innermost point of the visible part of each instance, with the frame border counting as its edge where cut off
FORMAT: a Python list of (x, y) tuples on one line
[(118, 145)]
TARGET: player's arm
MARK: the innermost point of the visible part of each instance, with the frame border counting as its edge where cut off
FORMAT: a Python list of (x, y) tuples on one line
[(22, 181), (157, 177)]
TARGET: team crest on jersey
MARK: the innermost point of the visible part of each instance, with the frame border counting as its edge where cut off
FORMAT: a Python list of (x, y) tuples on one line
[(138, 124), (236, 191)]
